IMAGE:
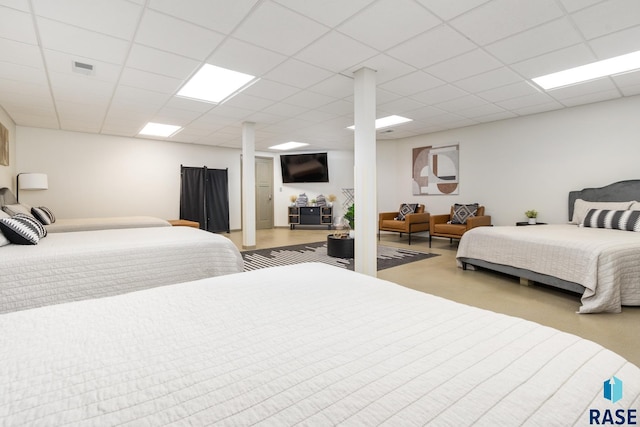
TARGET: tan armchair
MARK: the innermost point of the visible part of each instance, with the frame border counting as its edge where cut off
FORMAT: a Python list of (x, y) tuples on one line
[(413, 222), (440, 225)]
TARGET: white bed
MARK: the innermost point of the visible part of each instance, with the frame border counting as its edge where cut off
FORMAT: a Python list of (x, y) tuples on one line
[(307, 344), (604, 263), (88, 264), (106, 223)]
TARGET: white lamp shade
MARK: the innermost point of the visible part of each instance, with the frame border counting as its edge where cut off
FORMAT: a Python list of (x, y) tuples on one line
[(33, 181)]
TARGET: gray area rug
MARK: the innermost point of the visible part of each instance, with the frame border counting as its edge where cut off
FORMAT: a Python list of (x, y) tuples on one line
[(317, 252)]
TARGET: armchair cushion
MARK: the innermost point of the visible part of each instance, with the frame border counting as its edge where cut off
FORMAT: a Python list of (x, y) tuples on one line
[(462, 212)]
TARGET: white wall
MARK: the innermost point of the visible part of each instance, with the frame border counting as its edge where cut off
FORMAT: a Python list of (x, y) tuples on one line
[(8, 173), (525, 163), (340, 176), (98, 175)]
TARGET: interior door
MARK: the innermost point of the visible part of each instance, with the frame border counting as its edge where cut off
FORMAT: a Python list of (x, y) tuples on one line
[(264, 193)]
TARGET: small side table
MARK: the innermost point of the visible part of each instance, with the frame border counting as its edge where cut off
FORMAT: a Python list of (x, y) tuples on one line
[(340, 248), (523, 223), (184, 223)]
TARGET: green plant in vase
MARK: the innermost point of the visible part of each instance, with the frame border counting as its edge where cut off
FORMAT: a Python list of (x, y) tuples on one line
[(351, 216)]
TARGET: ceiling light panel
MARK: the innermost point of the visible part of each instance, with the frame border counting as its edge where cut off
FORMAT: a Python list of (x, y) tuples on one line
[(215, 84), (288, 145), (159, 129), (608, 67), (388, 121)]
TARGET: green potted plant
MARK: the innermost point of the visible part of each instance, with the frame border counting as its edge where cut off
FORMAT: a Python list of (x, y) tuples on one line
[(351, 216), (532, 215)]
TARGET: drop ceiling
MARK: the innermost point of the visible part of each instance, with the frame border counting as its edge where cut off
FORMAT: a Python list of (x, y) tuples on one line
[(444, 64)]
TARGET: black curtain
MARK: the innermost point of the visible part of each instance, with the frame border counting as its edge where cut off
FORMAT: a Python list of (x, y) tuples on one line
[(204, 197)]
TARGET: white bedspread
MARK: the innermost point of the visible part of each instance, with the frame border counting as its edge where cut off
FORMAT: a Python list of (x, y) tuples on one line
[(307, 344), (89, 224), (88, 264), (606, 262)]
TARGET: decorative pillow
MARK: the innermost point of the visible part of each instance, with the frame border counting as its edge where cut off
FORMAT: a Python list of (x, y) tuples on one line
[(17, 209), (22, 229), (44, 215), (620, 220), (4, 240), (406, 209), (581, 207), (462, 212)]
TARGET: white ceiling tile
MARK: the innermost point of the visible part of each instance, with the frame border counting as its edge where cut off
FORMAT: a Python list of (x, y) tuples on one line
[(25, 90), (412, 83), (327, 12), (128, 97), (60, 62), (425, 113), (336, 86), (335, 52), (595, 86), (279, 29), (517, 103), (620, 43), (79, 88), (439, 94), (450, 9), (387, 23), (284, 110), (30, 118), (22, 74), (462, 103), (341, 107), (249, 102), (509, 91), (463, 66), (175, 116), (184, 39), (207, 13), (22, 5), (85, 43), (502, 18), (548, 37), (224, 110), (17, 25), (244, 57), (401, 105), (309, 99), (298, 74), (386, 68), (627, 79), (117, 18), (573, 5), (489, 80), (607, 17), (494, 117), (150, 81), (316, 116), (429, 48), (555, 61), (20, 53), (630, 90), (590, 98), (482, 110), (159, 62), (539, 108), (269, 89), (188, 104)]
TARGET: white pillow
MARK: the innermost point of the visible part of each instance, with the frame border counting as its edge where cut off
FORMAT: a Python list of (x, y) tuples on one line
[(635, 206), (3, 239), (18, 208), (581, 207)]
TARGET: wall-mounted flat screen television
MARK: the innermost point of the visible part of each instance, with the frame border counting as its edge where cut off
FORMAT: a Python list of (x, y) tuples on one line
[(308, 167)]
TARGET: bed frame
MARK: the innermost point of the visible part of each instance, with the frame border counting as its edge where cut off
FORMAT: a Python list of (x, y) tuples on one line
[(617, 192)]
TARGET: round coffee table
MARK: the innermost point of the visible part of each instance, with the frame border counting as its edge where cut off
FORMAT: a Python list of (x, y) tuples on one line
[(339, 248)]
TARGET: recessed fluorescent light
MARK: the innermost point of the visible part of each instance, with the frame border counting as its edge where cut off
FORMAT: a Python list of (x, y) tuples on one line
[(215, 84), (595, 70), (288, 145), (158, 129), (387, 121)]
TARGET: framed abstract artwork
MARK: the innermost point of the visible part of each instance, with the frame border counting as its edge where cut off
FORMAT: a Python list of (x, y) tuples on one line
[(4, 146), (436, 170)]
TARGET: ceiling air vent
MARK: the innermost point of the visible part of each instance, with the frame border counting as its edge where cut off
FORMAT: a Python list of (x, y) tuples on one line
[(82, 68)]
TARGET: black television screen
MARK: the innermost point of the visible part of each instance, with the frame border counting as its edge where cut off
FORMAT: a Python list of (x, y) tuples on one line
[(308, 167)]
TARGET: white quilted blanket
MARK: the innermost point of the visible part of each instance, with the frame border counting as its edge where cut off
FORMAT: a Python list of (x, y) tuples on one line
[(606, 262), (88, 264), (88, 224), (307, 344)]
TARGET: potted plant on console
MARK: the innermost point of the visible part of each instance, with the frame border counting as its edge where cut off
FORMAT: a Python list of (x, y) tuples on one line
[(351, 217), (532, 215)]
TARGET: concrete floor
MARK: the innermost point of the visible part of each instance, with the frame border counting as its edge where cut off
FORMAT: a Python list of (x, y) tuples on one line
[(484, 289)]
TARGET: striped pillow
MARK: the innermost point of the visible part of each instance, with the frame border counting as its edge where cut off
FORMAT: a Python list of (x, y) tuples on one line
[(620, 220), (22, 229), (44, 215)]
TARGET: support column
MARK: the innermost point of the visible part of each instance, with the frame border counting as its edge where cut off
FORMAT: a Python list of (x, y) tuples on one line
[(248, 186), (366, 214)]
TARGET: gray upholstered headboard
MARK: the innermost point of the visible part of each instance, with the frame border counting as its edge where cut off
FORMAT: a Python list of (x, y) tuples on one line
[(7, 197), (621, 191)]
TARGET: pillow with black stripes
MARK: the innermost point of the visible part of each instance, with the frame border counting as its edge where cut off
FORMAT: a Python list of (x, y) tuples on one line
[(44, 215), (619, 220), (22, 229)]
